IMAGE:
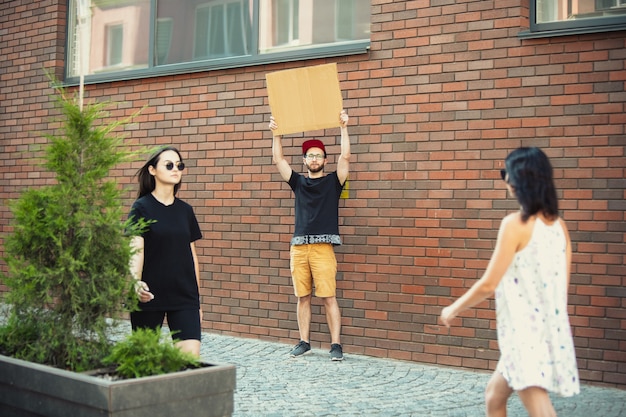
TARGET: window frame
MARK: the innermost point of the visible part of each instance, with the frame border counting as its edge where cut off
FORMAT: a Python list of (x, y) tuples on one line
[(291, 55), (570, 27)]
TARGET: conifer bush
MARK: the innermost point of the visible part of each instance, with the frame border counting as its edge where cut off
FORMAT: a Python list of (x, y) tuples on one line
[(68, 254), (144, 352)]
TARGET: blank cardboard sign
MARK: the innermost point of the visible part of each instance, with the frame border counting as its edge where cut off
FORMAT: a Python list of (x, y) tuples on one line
[(304, 99)]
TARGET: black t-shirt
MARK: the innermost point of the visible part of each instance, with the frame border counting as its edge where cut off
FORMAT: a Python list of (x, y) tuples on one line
[(168, 266), (317, 208)]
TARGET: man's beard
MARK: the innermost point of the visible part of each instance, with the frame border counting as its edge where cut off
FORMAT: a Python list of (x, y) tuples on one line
[(319, 168)]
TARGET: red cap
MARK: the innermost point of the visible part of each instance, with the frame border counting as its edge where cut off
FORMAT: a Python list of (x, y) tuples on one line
[(312, 143)]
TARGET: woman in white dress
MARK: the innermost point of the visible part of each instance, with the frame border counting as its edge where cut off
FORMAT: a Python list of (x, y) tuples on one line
[(529, 274)]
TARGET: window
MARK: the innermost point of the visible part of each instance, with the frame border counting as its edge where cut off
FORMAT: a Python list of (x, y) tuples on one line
[(352, 20), (562, 17), (300, 24), (118, 36), (141, 38), (285, 18), (114, 42), (221, 30), (163, 40)]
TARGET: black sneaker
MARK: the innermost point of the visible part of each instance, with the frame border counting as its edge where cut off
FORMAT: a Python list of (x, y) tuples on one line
[(302, 348), (336, 353)]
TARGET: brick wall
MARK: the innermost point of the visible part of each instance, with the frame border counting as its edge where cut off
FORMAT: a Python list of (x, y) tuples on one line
[(445, 93)]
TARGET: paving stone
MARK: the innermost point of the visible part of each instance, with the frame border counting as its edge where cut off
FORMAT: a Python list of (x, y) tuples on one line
[(270, 383)]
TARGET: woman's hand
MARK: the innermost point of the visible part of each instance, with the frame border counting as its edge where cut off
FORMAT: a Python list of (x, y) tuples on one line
[(143, 292), (447, 315)]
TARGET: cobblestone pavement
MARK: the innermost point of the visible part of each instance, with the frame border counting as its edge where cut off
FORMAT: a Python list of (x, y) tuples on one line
[(271, 384)]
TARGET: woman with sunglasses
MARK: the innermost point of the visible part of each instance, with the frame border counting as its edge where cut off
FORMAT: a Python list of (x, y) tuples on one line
[(529, 273), (165, 264)]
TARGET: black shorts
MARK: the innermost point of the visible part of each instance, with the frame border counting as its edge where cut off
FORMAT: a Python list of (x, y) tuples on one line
[(183, 324)]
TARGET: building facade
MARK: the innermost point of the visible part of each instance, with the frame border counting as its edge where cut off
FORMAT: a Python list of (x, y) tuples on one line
[(438, 93)]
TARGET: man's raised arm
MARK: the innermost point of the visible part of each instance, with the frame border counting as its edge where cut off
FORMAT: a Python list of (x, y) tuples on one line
[(343, 164), (277, 153)]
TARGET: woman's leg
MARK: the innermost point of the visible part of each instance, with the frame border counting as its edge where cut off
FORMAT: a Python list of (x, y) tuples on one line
[(497, 395), (190, 345), (185, 328), (537, 402), (147, 319)]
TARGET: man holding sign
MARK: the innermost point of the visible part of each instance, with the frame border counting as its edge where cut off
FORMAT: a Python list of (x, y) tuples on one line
[(312, 256)]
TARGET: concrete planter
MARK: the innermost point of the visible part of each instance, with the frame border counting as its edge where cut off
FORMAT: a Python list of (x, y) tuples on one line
[(30, 389)]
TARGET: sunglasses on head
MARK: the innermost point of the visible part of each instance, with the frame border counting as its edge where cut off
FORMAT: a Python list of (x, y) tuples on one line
[(503, 174), (170, 166)]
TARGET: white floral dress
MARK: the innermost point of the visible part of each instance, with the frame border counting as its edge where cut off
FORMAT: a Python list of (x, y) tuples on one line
[(534, 333)]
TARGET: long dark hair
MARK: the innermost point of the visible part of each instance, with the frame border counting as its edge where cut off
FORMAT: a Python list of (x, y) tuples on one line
[(530, 173), (147, 182)]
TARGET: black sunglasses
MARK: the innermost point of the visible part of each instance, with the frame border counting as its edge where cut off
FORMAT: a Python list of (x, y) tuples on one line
[(170, 166), (503, 174)]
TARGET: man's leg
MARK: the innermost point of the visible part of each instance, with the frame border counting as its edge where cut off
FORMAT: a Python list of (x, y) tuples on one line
[(303, 285), (333, 318), (304, 317), (303, 311), (497, 395)]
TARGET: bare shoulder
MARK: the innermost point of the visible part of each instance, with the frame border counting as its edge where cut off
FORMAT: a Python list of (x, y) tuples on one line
[(513, 221), (515, 231), (563, 226)]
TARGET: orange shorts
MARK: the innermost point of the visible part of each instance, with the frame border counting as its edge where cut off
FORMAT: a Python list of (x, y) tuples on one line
[(313, 264)]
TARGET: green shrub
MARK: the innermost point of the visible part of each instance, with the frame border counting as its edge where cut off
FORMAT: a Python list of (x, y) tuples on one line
[(144, 353), (68, 255)]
